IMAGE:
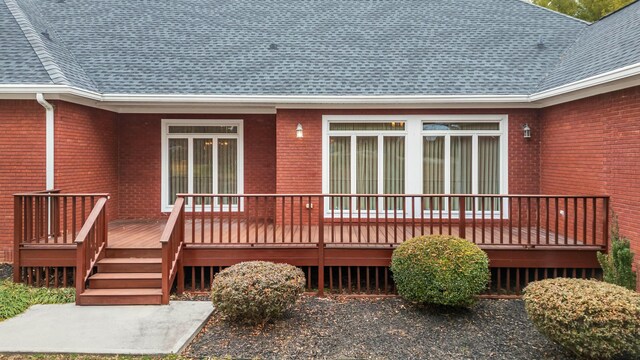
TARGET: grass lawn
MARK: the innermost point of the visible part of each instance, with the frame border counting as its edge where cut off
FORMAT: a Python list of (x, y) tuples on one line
[(16, 298)]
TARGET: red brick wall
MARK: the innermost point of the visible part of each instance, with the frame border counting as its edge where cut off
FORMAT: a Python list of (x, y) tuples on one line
[(140, 159), (22, 162), (86, 152), (299, 161), (593, 146)]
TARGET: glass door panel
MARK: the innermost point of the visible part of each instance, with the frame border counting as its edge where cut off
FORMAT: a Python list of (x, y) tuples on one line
[(461, 168), (178, 168), (393, 173), (367, 170)]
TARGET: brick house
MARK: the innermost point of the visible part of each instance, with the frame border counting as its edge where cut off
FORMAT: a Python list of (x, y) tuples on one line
[(499, 121)]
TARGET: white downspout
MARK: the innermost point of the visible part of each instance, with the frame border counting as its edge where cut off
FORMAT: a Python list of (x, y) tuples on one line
[(49, 140)]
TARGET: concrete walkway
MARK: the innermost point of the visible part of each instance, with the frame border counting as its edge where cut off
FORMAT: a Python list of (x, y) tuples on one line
[(104, 329)]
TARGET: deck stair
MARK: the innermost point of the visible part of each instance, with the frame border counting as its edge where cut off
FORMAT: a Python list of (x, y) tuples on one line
[(126, 277)]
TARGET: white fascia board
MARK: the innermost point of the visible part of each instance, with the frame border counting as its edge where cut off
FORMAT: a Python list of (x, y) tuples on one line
[(593, 81), (31, 90), (613, 80), (122, 99)]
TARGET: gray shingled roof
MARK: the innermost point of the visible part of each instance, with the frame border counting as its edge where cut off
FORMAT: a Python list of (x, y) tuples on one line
[(291, 47), (609, 44), (19, 64)]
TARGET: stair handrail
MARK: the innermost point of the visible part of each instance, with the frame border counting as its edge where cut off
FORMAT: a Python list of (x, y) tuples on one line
[(91, 243), (172, 242)]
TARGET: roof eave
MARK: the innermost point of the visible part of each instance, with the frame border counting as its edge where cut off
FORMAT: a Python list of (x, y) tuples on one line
[(613, 80)]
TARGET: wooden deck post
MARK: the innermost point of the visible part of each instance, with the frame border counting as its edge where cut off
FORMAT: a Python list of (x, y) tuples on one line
[(180, 275), (320, 246), (638, 277), (166, 265), (80, 273), (606, 225), (17, 236), (462, 224)]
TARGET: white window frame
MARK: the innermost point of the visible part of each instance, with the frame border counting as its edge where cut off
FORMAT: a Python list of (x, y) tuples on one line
[(502, 132), (413, 134), (353, 135), (166, 123)]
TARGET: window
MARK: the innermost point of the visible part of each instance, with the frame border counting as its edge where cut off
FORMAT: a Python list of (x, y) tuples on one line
[(462, 158), (414, 154), (203, 157), (366, 158)]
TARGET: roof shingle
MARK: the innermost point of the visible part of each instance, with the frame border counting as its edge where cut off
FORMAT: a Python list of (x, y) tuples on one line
[(606, 45), (300, 47)]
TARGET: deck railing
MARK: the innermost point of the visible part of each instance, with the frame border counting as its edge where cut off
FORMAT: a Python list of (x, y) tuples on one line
[(47, 218), (388, 220), (172, 241), (91, 244)]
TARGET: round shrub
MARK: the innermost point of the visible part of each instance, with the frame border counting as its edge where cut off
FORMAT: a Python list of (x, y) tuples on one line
[(256, 291), (439, 269), (591, 318)]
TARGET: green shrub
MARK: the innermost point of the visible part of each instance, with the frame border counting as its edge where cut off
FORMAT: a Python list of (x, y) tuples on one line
[(591, 318), (16, 298), (256, 291), (617, 264), (440, 269)]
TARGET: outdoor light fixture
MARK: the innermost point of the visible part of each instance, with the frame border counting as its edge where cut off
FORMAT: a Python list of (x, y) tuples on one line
[(527, 131), (299, 131)]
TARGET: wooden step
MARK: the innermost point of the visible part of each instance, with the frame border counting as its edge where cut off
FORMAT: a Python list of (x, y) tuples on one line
[(125, 280), (134, 253), (121, 297), (130, 265)]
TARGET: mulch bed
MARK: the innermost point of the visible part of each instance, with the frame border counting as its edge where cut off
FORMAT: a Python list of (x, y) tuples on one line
[(6, 271), (387, 328)]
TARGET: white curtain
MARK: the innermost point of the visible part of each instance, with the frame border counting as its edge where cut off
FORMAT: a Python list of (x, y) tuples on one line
[(178, 167), (461, 158), (340, 169), (367, 170), (227, 168), (433, 169), (489, 168), (393, 163)]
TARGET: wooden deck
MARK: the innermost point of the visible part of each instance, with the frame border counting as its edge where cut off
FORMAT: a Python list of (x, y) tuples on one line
[(60, 238), (135, 233), (147, 233)]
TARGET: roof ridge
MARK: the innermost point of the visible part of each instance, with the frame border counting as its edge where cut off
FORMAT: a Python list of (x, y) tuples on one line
[(560, 58), (39, 47), (68, 52)]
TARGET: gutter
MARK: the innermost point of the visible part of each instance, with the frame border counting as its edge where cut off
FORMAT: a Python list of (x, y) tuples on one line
[(610, 81), (49, 140)]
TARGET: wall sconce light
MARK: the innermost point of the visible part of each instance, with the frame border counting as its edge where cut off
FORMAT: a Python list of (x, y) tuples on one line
[(527, 131), (299, 131)]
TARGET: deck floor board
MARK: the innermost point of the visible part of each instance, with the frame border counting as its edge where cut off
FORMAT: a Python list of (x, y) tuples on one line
[(147, 233)]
